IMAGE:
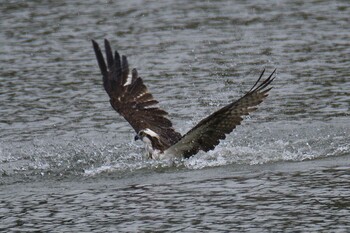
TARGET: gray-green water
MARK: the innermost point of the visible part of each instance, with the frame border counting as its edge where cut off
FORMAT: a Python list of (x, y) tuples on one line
[(68, 162)]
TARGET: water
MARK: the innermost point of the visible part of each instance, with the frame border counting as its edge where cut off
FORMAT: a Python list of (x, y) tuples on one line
[(68, 161)]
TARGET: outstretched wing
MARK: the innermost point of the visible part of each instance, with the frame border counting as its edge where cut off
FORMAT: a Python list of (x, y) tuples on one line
[(208, 132), (131, 99)]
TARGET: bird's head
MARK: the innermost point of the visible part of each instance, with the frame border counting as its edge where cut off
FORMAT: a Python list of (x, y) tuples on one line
[(140, 135), (145, 134), (150, 138)]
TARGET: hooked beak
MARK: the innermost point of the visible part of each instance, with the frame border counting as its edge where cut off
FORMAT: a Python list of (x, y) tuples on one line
[(137, 137)]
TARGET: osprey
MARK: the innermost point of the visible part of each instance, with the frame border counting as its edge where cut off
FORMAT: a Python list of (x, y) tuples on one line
[(130, 98)]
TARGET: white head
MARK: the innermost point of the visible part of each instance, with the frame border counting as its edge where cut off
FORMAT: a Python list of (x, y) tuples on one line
[(146, 133), (149, 137)]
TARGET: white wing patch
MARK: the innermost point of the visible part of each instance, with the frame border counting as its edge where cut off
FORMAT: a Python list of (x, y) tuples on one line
[(140, 95), (128, 80)]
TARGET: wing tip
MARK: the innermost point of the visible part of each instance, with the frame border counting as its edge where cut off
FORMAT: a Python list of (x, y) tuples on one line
[(264, 83), (95, 45), (106, 42), (100, 59)]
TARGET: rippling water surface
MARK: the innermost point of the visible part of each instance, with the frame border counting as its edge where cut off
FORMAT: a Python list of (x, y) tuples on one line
[(68, 162)]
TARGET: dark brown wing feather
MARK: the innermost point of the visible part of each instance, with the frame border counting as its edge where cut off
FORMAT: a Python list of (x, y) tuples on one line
[(208, 132), (132, 99)]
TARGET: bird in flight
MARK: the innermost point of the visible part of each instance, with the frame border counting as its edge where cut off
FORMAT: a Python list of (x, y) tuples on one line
[(130, 98)]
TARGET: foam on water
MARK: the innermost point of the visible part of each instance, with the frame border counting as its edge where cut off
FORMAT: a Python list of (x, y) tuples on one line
[(245, 146)]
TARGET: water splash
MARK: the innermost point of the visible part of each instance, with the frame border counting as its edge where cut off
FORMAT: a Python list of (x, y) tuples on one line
[(84, 157)]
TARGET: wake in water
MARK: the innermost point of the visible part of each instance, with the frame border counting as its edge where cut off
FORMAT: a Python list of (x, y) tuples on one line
[(86, 157)]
